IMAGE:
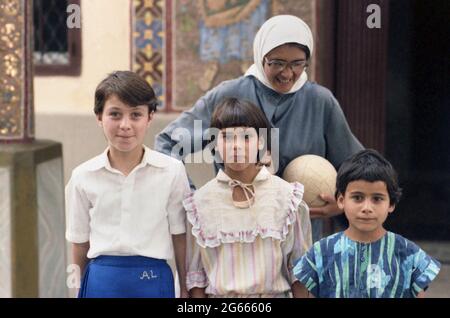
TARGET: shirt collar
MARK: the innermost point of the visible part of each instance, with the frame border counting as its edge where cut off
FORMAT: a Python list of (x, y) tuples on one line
[(262, 175), (154, 158), (150, 157)]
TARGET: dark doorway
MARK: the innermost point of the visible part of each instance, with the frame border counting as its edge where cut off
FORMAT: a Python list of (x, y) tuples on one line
[(418, 116)]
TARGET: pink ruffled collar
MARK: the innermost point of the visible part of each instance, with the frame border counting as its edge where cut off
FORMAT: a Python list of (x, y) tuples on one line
[(213, 235)]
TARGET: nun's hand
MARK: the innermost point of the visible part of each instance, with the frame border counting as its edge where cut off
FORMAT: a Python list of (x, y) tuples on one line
[(329, 210)]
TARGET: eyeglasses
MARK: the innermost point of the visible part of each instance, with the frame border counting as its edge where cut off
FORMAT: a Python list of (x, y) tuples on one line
[(280, 65)]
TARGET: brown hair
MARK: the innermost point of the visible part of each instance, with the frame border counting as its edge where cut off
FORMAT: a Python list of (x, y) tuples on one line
[(233, 112), (129, 87)]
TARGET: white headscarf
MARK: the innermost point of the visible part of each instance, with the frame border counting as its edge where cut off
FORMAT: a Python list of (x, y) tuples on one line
[(274, 32)]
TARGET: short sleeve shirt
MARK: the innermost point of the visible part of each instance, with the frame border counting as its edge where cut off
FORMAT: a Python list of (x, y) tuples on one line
[(392, 267), (127, 215)]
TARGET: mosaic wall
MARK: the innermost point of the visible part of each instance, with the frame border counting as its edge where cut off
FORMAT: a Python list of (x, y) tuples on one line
[(186, 47), (16, 103), (214, 42), (147, 43)]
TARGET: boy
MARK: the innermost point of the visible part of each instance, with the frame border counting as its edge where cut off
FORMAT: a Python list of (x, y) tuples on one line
[(366, 260), (124, 207)]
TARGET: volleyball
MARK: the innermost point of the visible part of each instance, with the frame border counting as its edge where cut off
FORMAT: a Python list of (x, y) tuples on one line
[(317, 175)]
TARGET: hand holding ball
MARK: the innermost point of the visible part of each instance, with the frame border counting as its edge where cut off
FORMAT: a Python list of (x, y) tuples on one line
[(317, 175)]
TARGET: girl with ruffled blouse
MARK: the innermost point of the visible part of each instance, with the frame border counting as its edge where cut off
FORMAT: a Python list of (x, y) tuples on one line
[(308, 117), (246, 227)]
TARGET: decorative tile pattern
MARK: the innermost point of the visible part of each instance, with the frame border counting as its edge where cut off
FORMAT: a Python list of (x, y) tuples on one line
[(148, 43), (183, 50), (16, 106)]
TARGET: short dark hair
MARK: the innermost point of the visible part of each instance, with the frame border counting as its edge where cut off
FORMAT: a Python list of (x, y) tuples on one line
[(368, 165), (129, 87), (234, 112)]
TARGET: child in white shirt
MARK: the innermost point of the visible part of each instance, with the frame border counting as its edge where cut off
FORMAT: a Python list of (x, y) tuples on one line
[(124, 207)]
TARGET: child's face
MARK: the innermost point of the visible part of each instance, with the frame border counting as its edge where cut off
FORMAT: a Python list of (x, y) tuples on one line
[(366, 206), (124, 126), (238, 147)]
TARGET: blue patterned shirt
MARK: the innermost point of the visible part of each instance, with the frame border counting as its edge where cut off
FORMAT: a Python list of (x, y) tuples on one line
[(392, 267)]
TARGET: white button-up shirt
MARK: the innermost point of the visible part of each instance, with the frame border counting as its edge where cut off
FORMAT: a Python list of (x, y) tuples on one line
[(127, 215)]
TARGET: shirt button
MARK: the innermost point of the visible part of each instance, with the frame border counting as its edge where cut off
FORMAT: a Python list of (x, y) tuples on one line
[(362, 259)]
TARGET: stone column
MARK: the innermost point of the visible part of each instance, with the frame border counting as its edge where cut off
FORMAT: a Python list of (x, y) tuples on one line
[(32, 246)]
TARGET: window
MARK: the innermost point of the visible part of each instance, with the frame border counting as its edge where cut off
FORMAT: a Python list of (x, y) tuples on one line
[(57, 48)]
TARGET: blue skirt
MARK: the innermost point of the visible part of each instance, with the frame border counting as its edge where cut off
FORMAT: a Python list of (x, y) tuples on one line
[(127, 277)]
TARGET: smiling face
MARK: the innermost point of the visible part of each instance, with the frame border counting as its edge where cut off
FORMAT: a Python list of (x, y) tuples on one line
[(366, 206), (124, 126), (282, 79)]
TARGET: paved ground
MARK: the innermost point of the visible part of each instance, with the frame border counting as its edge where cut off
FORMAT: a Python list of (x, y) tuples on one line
[(440, 288)]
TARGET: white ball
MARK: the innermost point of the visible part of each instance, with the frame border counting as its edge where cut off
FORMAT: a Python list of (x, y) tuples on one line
[(317, 175)]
